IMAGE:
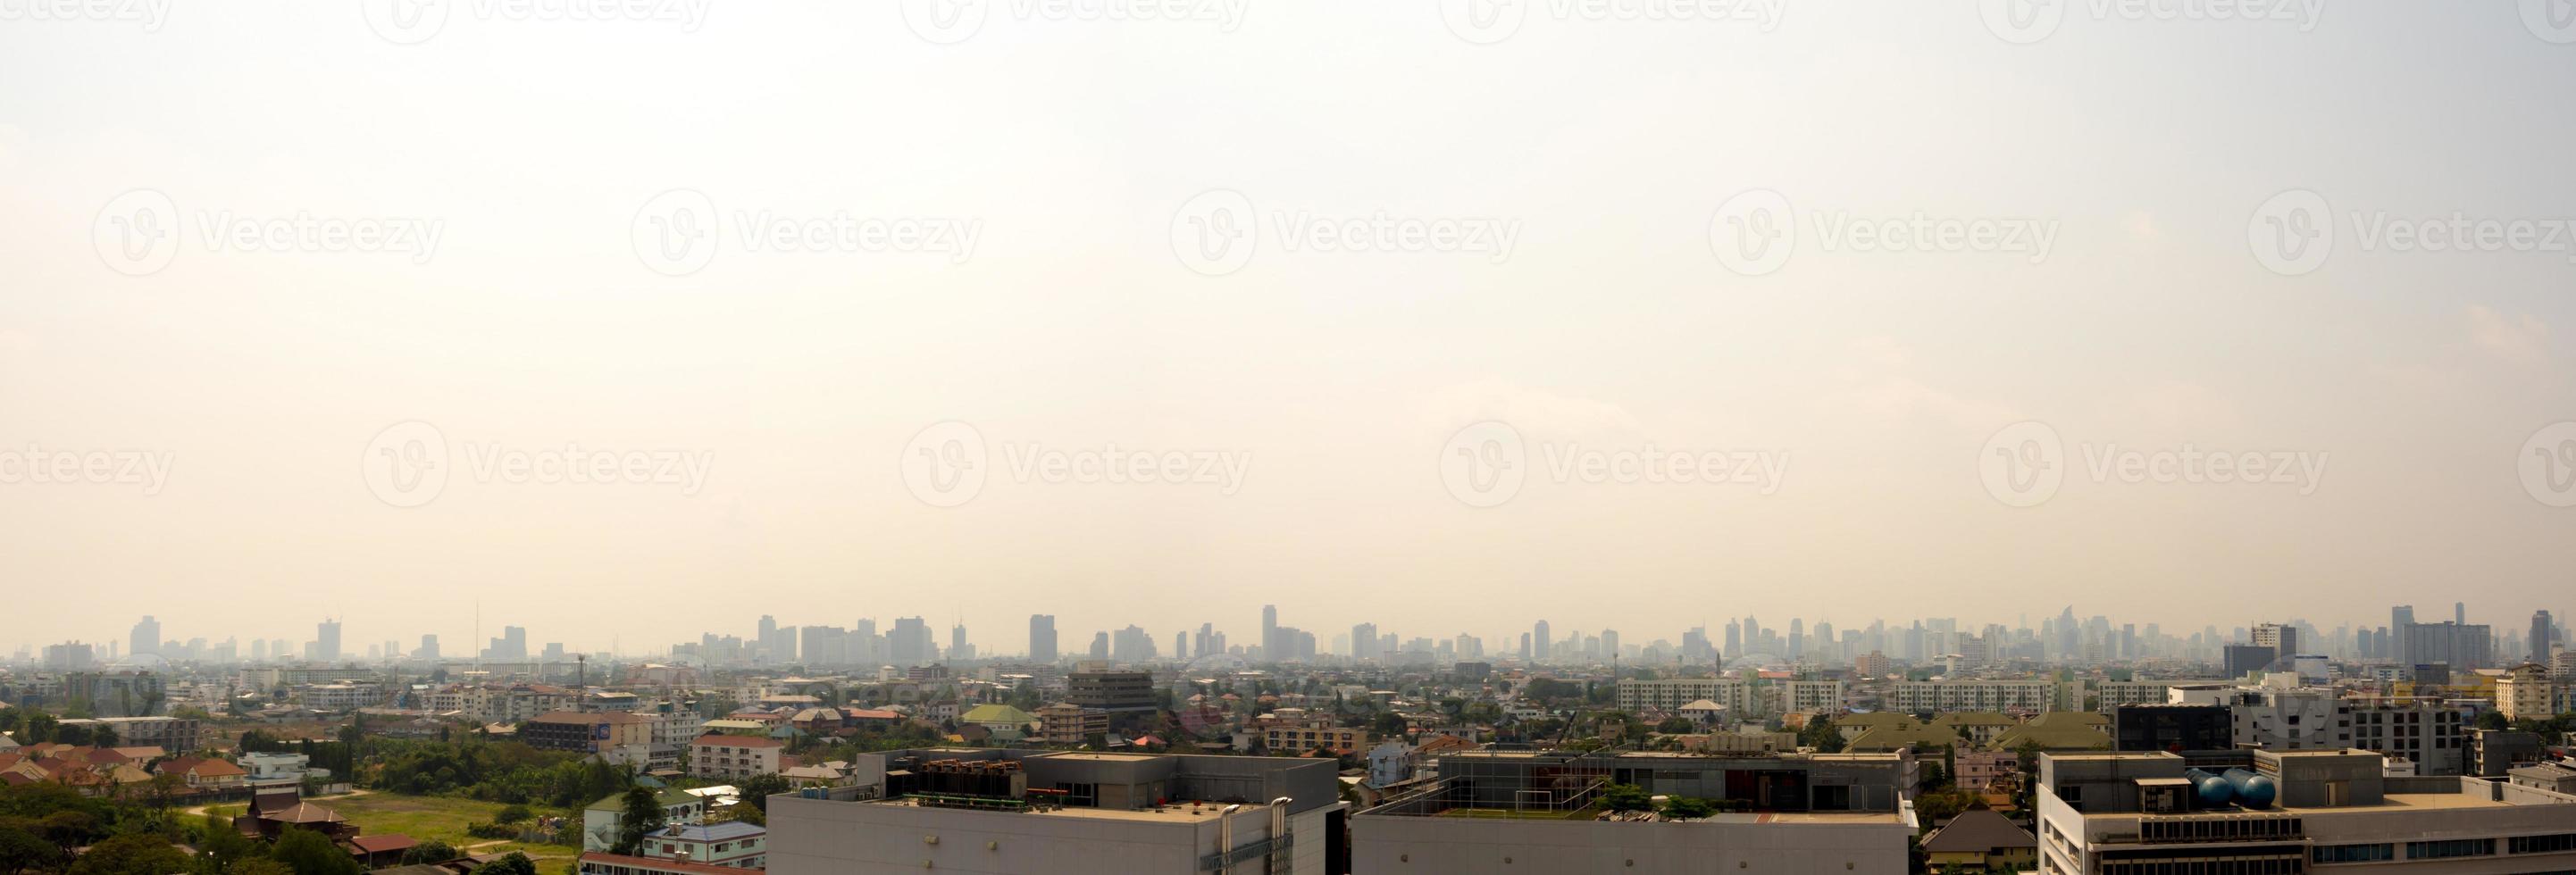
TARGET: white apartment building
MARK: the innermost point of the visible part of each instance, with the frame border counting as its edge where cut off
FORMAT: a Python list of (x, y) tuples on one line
[(1670, 694), (733, 757), (2430, 735), (2114, 694), (2280, 717), (1812, 696), (340, 697), (1939, 697)]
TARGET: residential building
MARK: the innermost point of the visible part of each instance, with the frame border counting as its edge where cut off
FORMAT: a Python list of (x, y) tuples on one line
[(1111, 690), (1068, 723), (587, 733), (173, 734), (604, 863), (604, 819), (1936, 697), (1670, 694), (730, 843), (1295, 730), (1065, 813), (2280, 716), (1808, 697), (2169, 727), (1980, 841), (734, 757), (2524, 693)]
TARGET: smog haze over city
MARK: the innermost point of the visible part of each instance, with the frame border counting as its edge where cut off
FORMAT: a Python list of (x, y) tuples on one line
[(631, 322)]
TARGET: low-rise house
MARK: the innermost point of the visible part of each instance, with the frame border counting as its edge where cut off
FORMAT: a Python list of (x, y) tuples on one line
[(601, 822), (205, 773), (603, 863), (1981, 841), (731, 843)]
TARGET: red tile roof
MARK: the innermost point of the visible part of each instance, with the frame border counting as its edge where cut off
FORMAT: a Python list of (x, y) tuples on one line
[(662, 865), (378, 844)]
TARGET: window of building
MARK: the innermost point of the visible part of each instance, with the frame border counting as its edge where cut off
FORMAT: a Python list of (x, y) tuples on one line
[(2353, 853), (2439, 850)]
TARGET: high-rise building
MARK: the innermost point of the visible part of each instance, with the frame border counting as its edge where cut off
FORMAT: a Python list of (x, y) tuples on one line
[(1541, 646), (428, 647), (146, 637), (1270, 648), (909, 644), (2399, 618), (326, 640), (2541, 630), (2283, 639), (1042, 638)]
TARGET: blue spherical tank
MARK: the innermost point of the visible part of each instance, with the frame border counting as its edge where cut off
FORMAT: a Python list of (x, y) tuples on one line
[(2213, 790), (2252, 790)]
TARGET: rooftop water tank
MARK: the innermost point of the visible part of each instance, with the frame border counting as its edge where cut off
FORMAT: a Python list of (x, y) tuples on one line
[(2252, 790), (2213, 789)]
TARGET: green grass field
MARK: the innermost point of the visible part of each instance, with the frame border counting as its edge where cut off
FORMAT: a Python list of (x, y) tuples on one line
[(424, 818)]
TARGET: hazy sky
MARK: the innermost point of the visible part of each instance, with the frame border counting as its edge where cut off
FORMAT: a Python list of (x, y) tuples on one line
[(871, 304)]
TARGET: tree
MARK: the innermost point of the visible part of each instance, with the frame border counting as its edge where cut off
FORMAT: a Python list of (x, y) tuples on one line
[(1675, 726), (642, 815), (431, 851), (757, 789), (259, 866), (22, 849), (1687, 808), (2492, 720), (1626, 797), (1822, 735), (140, 854), (512, 814), (514, 864), (308, 853)]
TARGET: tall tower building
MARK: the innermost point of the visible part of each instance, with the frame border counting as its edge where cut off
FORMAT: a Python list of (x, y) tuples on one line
[(1042, 638), (1541, 646), (326, 640), (2541, 630), (2399, 618), (146, 637)]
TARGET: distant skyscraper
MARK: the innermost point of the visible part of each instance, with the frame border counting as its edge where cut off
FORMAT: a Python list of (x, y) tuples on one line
[(326, 640), (2541, 630), (146, 637), (1270, 648), (1042, 638), (908, 643), (1100, 645), (1541, 646), (428, 647), (2399, 618), (2460, 613)]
